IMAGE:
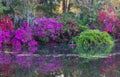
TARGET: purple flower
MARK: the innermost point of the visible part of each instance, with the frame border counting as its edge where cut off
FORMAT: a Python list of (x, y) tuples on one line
[(16, 43), (46, 27), (108, 26), (32, 43), (24, 33)]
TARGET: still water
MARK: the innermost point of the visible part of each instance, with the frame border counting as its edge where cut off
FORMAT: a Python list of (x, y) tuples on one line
[(60, 61)]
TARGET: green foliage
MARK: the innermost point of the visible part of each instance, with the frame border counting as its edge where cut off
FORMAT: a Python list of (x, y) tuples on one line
[(3, 8), (47, 7), (88, 12), (69, 18), (71, 27), (66, 17), (93, 37), (94, 52)]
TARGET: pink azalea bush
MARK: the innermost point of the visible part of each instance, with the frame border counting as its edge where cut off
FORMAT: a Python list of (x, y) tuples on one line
[(107, 19), (6, 30)]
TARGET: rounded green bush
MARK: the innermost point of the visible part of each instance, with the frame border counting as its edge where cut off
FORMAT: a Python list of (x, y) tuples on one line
[(93, 37)]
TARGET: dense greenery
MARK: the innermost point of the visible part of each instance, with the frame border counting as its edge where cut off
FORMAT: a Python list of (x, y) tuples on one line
[(93, 37)]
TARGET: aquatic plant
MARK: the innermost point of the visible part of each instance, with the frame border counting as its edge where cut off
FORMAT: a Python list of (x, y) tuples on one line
[(93, 37)]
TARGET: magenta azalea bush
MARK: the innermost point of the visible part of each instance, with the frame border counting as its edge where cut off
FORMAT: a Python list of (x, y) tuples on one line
[(109, 21), (23, 33), (46, 27), (22, 36)]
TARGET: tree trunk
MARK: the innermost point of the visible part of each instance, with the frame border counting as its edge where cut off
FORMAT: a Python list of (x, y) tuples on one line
[(68, 5), (64, 6)]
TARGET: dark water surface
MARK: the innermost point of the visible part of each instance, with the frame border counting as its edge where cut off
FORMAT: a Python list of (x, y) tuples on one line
[(60, 61)]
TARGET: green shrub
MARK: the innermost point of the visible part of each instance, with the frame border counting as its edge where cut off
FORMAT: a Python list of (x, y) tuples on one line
[(93, 37)]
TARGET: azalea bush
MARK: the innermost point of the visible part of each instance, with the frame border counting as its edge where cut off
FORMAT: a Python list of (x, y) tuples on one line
[(109, 21), (23, 36), (18, 38), (46, 28), (6, 24), (107, 18), (6, 30)]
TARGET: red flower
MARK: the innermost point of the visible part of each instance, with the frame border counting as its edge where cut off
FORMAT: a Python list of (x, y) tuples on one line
[(6, 23)]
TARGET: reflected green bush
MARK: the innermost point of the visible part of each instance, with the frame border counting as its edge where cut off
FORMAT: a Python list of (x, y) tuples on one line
[(93, 38), (94, 52)]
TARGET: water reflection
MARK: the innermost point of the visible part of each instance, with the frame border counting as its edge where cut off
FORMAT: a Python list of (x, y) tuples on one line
[(26, 64), (94, 52)]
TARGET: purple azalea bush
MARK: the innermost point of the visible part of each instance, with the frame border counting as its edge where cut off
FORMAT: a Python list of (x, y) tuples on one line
[(5, 37), (46, 27), (22, 36)]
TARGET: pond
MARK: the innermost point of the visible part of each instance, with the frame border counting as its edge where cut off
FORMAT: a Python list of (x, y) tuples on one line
[(59, 61)]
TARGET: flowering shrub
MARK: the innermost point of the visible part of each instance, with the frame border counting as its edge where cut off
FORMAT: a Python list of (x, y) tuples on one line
[(6, 30), (6, 24), (107, 19), (5, 37), (18, 38), (23, 37), (23, 33), (46, 27)]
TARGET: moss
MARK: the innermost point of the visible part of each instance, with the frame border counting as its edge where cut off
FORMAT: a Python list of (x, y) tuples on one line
[(93, 37)]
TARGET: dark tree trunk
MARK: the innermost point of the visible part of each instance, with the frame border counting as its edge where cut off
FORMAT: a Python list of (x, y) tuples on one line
[(64, 6)]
